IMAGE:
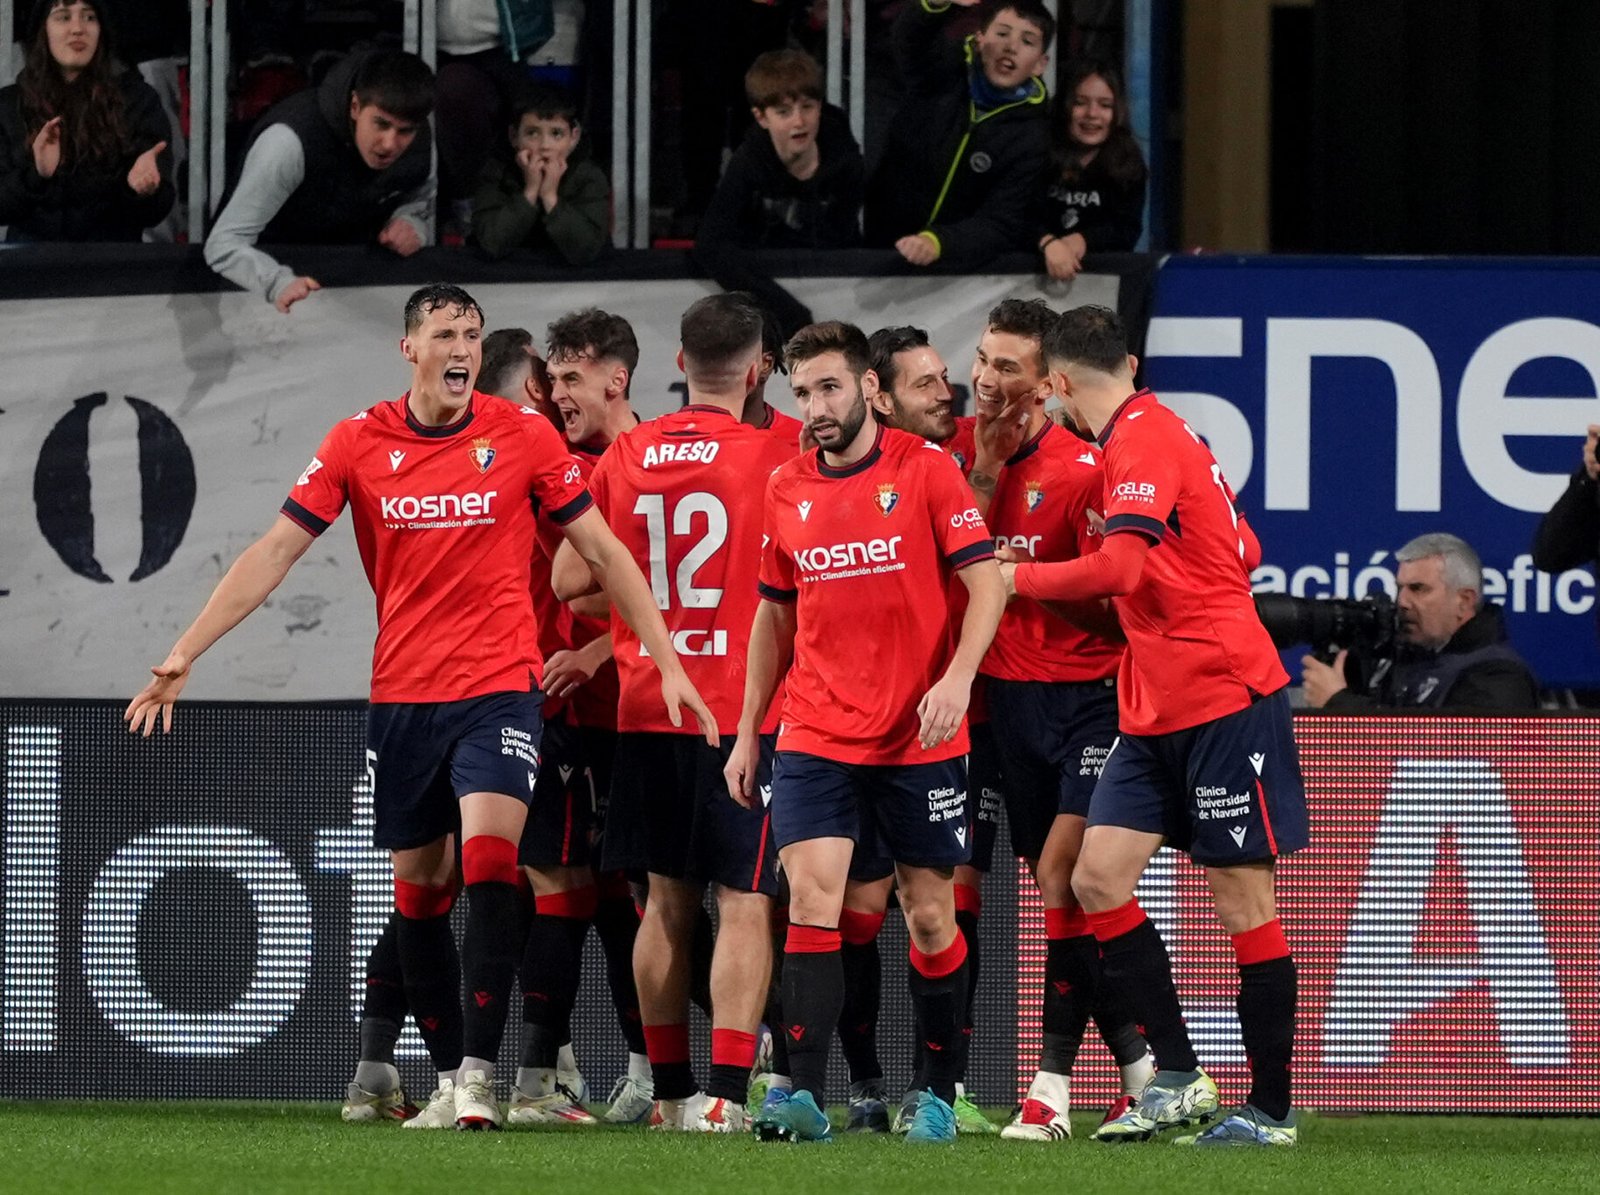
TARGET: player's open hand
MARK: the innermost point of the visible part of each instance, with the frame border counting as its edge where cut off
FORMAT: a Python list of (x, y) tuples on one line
[(400, 237), (1000, 435), (294, 292), (941, 710), (918, 249), (47, 148), (145, 176), (567, 671), (740, 772), (156, 699), (678, 691), (1321, 681)]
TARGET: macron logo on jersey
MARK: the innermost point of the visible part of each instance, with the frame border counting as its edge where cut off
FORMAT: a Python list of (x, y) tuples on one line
[(1087, 458), (1135, 491), (395, 458), (805, 510), (874, 555), (305, 478)]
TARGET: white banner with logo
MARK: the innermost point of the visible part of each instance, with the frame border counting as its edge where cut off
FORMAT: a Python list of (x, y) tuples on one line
[(114, 539)]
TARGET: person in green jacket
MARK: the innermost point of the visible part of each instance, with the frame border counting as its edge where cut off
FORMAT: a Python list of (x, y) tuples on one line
[(546, 193)]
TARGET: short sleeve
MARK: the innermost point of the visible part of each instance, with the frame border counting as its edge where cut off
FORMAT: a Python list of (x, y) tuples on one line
[(958, 528), (776, 583), (557, 481), (321, 492), (1142, 484)]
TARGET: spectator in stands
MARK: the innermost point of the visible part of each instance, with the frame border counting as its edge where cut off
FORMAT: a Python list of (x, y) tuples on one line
[(544, 193), (1453, 650), (1569, 534), (482, 47), (795, 183), (83, 139), (1093, 196), (960, 170), (346, 163)]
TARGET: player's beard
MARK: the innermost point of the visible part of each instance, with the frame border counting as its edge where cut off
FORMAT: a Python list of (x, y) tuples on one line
[(848, 428), (937, 425)]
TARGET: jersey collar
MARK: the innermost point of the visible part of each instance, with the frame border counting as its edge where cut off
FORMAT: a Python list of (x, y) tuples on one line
[(1032, 446), (1105, 433), (447, 429), (860, 466)]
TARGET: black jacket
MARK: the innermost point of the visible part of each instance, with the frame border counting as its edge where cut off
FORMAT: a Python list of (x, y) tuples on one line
[(1108, 215), (343, 200), (760, 205), (1569, 534), (1477, 670), (968, 177), (84, 205)]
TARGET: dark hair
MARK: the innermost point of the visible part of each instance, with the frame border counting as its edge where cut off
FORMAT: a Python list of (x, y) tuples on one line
[(546, 101), (399, 83), (503, 351), (830, 336), (1031, 11), (1030, 319), (434, 296), (1090, 336), (780, 75), (93, 125), (592, 331), (715, 329), (771, 339), (885, 343), (1120, 155)]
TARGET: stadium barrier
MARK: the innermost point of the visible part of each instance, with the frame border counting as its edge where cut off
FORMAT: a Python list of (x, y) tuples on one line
[(184, 910)]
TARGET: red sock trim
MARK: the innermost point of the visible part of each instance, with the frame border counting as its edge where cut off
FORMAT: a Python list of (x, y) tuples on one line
[(578, 904), (969, 900), (733, 1047), (810, 939), (1066, 923), (614, 886), (858, 928), (666, 1043), (488, 859), (1261, 945), (937, 966), (420, 902), (1113, 923)]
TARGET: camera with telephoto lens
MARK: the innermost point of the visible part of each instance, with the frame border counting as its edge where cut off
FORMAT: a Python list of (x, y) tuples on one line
[(1364, 626)]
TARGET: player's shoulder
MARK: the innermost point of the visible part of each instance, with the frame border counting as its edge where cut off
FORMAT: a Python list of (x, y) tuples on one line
[(492, 410), (1069, 452)]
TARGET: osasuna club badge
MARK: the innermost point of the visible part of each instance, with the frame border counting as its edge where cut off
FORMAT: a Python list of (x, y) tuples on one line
[(1035, 495), (888, 498), (482, 455)]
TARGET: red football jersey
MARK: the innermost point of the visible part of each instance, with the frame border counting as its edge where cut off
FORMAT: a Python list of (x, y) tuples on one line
[(869, 552), (445, 525), (683, 493), (593, 703), (1041, 504), (1196, 648), (786, 427)]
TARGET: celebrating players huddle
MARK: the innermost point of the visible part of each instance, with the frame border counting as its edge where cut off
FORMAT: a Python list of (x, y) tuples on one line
[(883, 623)]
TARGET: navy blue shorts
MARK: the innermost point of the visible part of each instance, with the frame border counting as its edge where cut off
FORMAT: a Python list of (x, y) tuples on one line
[(1053, 739), (426, 756), (671, 815), (567, 815), (987, 788), (1227, 791), (914, 814)]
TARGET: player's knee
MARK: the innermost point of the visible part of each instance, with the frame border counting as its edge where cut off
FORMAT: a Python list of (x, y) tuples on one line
[(929, 922), (1097, 890), (748, 915)]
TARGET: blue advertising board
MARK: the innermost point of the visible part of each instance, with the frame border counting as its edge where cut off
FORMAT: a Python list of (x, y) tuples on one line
[(1355, 403)]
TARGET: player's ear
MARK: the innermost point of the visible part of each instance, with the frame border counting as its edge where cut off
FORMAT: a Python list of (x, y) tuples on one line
[(752, 375), (869, 384), (681, 367), (407, 351), (1133, 365), (880, 404), (619, 381)]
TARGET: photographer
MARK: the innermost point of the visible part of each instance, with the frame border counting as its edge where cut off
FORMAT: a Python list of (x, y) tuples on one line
[(1452, 647), (1569, 534)]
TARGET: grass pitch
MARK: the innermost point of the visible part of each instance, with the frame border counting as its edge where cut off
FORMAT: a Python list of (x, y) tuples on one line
[(179, 1147)]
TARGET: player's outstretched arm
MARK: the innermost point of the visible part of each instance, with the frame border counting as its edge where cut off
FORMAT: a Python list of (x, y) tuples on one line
[(619, 576), (245, 586), (943, 706), (1113, 571), (771, 649)]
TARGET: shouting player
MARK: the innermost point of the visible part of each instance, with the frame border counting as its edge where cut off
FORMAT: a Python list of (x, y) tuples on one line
[(441, 484), (679, 492), (862, 537), (1206, 760)]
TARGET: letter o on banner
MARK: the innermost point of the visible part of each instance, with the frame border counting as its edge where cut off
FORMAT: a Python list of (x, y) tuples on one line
[(283, 943)]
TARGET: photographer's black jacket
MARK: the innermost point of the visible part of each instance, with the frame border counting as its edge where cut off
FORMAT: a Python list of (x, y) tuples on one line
[(1477, 670)]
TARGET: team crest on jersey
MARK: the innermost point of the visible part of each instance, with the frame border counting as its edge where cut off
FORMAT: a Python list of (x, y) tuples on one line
[(1034, 495), (482, 454), (887, 498)]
